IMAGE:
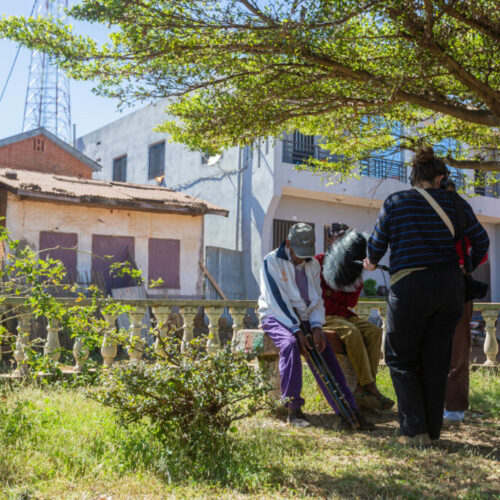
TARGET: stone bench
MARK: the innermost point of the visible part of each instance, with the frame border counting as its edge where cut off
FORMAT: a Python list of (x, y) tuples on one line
[(257, 344)]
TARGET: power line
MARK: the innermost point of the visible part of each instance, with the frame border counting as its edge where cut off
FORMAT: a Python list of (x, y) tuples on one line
[(15, 59)]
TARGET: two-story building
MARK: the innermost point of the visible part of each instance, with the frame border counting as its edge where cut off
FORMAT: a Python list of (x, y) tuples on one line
[(263, 193)]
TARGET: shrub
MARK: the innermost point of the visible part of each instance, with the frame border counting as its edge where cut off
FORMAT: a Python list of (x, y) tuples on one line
[(189, 400), (370, 287)]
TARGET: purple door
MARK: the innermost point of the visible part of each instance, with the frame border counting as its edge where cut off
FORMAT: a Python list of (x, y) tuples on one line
[(60, 246), (164, 261), (107, 250)]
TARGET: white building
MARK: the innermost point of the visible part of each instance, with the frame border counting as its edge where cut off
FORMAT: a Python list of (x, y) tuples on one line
[(263, 193)]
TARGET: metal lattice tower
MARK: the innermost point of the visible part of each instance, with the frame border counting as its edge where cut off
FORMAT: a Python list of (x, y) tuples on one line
[(47, 97)]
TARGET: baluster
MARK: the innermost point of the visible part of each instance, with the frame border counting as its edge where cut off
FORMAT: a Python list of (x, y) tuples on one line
[(136, 342), (161, 313), (490, 342), (109, 347), (22, 342), (52, 347), (238, 314), (213, 342), (382, 310), (80, 353), (188, 315)]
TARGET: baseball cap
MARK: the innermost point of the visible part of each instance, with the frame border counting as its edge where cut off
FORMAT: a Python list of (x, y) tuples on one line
[(302, 240)]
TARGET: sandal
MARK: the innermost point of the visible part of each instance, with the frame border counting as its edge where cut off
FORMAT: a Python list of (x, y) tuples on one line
[(367, 400), (385, 402)]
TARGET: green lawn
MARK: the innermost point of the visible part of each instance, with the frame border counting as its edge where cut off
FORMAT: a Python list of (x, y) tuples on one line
[(55, 443)]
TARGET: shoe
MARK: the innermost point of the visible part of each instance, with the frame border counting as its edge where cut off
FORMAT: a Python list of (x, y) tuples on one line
[(385, 402), (298, 419), (453, 417), (417, 441), (364, 423), (367, 400)]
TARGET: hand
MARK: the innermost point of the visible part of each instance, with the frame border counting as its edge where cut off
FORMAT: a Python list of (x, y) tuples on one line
[(305, 345), (368, 265), (319, 338)]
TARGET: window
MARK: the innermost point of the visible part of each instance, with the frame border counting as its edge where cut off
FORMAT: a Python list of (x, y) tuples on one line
[(164, 262), (120, 169), (156, 160), (281, 228)]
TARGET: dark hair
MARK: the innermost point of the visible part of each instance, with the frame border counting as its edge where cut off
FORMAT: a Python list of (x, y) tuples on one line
[(336, 229), (426, 167)]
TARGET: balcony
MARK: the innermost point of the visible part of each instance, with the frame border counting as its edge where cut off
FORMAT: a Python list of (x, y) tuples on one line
[(297, 153), (382, 168)]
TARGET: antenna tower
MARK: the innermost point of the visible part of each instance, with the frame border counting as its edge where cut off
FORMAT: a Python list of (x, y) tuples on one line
[(47, 97)]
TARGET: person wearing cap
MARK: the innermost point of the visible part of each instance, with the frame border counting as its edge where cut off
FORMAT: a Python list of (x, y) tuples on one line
[(290, 292), (361, 338)]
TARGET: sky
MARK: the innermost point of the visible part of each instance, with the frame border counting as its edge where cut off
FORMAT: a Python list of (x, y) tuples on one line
[(88, 111)]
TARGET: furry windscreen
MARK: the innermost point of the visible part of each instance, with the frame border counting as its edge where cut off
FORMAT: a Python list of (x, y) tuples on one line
[(340, 270)]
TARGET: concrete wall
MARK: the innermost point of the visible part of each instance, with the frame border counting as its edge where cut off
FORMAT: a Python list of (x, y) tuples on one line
[(40, 154), (26, 218)]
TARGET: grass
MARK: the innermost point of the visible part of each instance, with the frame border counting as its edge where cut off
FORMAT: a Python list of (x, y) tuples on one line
[(56, 443)]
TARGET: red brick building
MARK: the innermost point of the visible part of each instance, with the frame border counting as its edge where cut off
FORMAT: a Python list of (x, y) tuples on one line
[(41, 151)]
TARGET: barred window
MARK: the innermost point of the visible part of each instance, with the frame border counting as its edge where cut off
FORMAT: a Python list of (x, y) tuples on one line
[(120, 169), (156, 160)]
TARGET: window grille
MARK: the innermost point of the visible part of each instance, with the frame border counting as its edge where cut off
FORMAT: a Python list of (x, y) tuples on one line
[(120, 169), (156, 160)]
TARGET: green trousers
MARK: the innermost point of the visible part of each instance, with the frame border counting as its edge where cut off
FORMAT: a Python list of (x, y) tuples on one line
[(362, 340)]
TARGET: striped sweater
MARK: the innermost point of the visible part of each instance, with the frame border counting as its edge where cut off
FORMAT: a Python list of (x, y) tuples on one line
[(417, 236)]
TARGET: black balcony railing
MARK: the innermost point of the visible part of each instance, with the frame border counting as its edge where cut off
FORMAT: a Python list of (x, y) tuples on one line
[(383, 168), (298, 153)]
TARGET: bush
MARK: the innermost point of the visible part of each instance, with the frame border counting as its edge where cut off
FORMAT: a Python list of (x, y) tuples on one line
[(189, 400), (370, 287)]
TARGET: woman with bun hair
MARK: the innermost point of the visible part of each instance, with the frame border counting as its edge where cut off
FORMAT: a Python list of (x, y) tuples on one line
[(426, 299)]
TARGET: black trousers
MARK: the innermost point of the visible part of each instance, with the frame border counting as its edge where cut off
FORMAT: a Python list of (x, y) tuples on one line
[(423, 311)]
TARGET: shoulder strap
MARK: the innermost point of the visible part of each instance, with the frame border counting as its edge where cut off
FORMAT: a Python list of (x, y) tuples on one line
[(435, 205)]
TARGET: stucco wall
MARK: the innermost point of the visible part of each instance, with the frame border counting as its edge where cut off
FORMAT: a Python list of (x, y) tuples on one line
[(26, 218)]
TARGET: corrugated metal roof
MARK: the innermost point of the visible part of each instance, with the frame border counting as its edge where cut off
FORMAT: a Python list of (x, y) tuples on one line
[(95, 192)]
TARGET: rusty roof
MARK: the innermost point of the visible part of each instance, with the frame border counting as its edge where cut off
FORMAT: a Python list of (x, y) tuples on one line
[(63, 189)]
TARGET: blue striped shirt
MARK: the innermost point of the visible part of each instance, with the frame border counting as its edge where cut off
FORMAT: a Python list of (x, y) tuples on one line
[(417, 235)]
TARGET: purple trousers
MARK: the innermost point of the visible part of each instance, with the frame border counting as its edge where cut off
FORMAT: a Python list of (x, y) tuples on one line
[(290, 366)]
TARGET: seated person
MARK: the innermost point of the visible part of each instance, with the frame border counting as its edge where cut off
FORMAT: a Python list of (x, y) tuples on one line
[(290, 292), (362, 339)]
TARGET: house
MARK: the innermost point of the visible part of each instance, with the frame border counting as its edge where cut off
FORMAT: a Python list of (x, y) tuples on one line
[(80, 221), (263, 193), (40, 150)]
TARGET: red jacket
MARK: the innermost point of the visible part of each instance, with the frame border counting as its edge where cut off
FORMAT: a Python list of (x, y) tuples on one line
[(338, 302), (458, 249)]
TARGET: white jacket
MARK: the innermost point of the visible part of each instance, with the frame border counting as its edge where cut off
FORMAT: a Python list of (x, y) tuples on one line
[(279, 294)]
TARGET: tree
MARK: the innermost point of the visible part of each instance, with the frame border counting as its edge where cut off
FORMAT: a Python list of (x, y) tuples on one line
[(364, 75)]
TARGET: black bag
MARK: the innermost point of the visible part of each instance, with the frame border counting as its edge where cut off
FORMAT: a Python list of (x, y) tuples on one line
[(474, 289)]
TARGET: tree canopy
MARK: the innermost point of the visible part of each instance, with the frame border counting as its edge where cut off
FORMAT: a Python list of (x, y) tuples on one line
[(364, 75)]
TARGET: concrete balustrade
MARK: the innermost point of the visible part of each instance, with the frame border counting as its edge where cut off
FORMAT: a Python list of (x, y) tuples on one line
[(165, 310)]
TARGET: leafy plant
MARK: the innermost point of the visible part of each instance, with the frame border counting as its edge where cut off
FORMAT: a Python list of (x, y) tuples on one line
[(370, 287), (190, 399)]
